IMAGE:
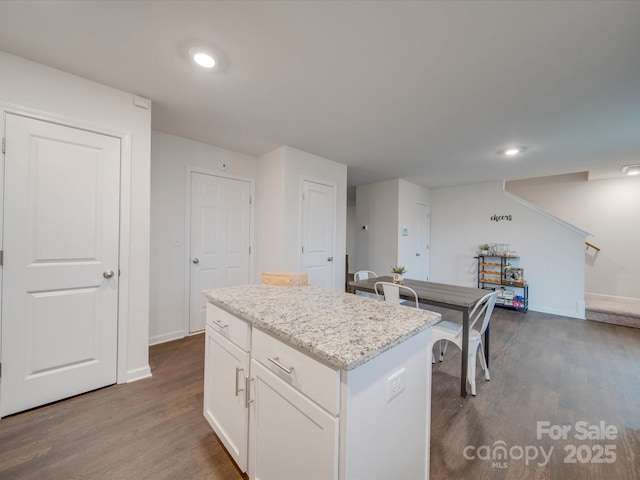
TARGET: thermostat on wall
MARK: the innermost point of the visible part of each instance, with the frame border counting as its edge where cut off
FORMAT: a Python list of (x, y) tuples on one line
[(222, 166)]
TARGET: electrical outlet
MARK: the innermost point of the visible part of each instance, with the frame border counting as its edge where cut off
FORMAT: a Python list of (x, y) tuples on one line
[(395, 384)]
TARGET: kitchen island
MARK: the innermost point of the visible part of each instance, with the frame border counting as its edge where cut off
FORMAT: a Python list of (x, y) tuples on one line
[(304, 382)]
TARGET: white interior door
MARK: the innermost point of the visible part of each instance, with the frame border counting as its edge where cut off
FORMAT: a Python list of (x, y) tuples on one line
[(60, 274), (318, 222), (422, 212), (220, 239)]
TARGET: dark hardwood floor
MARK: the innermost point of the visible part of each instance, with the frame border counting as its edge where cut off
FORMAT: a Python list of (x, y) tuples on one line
[(544, 369), (150, 429)]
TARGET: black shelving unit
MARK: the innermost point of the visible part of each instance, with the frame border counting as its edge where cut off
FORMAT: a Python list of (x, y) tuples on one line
[(493, 275)]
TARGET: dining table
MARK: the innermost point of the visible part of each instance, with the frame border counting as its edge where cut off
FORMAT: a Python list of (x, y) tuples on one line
[(454, 297)]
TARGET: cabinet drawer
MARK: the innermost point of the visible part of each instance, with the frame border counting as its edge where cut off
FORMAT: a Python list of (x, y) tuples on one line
[(233, 328), (317, 381)]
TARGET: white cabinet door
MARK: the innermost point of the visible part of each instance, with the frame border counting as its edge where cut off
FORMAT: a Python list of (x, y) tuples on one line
[(291, 438), (225, 409)]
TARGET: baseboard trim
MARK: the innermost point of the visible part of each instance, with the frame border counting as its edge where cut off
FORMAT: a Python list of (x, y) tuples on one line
[(562, 313), (167, 337), (611, 297), (138, 374)]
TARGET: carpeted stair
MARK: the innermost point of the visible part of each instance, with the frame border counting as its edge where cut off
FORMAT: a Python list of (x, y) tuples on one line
[(618, 311)]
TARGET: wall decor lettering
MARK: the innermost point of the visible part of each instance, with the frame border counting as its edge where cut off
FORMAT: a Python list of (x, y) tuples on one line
[(497, 218)]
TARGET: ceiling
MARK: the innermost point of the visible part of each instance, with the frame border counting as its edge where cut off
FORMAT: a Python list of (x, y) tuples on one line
[(427, 91)]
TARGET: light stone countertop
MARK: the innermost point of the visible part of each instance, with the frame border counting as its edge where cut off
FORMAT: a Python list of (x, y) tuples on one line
[(340, 329)]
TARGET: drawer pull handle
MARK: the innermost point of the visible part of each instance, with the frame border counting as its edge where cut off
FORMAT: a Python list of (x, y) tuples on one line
[(221, 325), (247, 386), (276, 362), (238, 370)]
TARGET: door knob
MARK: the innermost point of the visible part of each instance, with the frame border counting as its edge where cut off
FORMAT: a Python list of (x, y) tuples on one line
[(195, 260), (417, 254), (108, 274), (330, 259)]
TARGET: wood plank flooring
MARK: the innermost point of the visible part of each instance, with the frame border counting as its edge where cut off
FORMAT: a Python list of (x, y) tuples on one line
[(544, 368), (150, 429)]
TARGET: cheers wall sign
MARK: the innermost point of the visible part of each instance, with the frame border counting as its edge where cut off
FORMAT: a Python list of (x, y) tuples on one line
[(498, 218)]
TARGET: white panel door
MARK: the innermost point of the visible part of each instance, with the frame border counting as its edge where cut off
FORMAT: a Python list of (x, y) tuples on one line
[(60, 277), (422, 214), (318, 223), (220, 239)]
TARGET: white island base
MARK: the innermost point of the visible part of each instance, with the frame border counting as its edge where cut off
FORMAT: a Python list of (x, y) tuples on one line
[(385, 438), (372, 437), (285, 415)]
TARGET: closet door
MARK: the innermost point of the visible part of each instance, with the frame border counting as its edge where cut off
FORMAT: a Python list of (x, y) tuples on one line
[(60, 273), (318, 222), (220, 239)]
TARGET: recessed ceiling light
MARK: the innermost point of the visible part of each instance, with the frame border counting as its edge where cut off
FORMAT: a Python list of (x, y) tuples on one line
[(512, 151), (204, 59), (631, 169)]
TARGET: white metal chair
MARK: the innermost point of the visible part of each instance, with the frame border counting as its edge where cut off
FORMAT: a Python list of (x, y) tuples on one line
[(392, 292), (445, 332), (364, 275)]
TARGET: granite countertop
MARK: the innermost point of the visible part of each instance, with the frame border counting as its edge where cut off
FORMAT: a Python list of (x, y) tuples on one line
[(340, 329)]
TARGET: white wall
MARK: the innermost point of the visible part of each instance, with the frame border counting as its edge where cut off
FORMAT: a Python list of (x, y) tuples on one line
[(377, 207), (270, 211), (70, 98), (386, 207), (552, 254), (278, 209), (278, 175), (301, 165), (409, 195), (610, 210), (171, 157)]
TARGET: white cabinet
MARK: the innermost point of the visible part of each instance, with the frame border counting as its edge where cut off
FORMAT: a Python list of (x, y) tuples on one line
[(291, 436), (285, 415), (294, 410), (315, 380), (225, 371)]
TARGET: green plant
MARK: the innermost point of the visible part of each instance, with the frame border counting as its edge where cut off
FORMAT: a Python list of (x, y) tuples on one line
[(398, 270), (484, 246)]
